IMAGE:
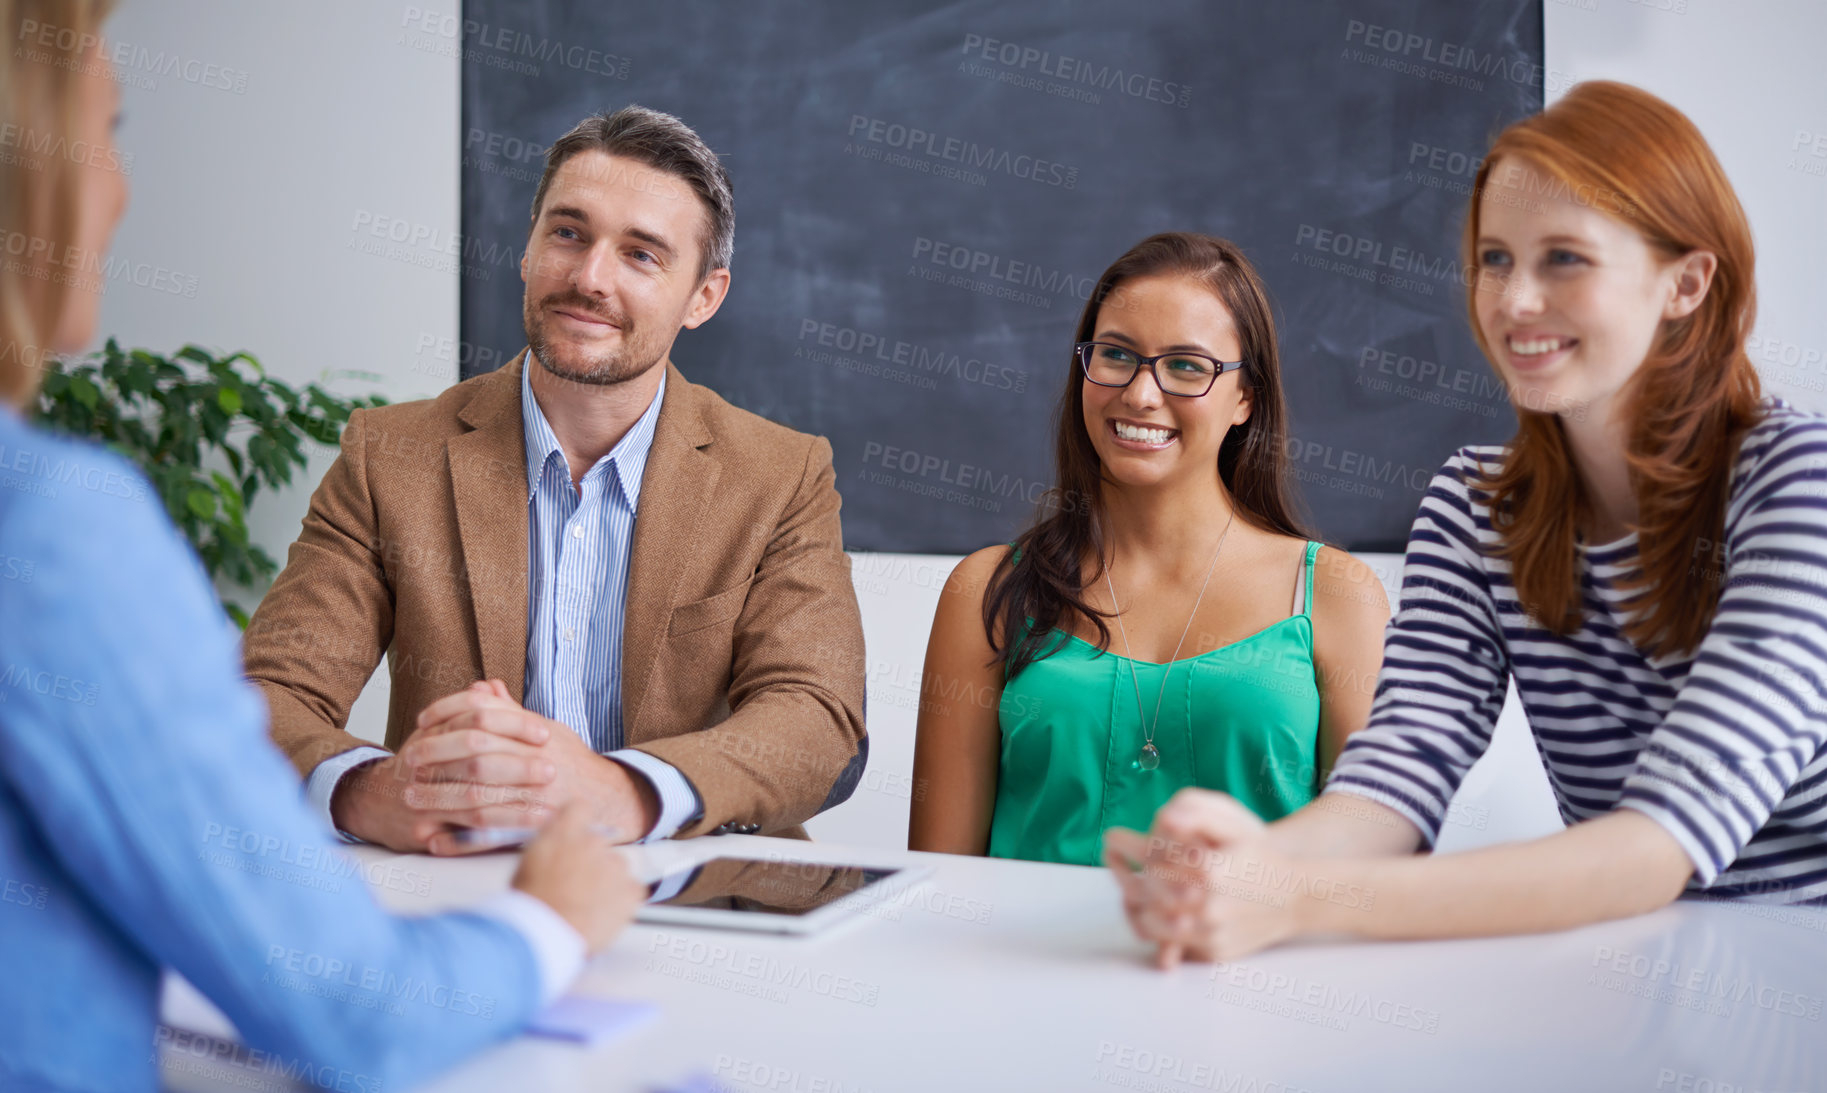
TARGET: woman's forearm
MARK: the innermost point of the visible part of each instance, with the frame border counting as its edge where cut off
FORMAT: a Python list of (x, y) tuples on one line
[(1615, 866), (1341, 825)]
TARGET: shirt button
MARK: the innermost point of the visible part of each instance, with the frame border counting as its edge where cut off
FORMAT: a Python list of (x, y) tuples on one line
[(577, 531), (570, 634)]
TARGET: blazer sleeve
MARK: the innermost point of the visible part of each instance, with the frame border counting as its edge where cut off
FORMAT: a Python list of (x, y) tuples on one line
[(327, 621), (794, 743), (169, 811)]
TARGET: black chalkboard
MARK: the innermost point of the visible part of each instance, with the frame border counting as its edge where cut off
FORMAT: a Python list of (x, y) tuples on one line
[(924, 197)]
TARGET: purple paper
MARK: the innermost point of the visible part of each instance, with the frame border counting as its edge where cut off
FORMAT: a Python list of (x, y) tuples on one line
[(590, 1021)]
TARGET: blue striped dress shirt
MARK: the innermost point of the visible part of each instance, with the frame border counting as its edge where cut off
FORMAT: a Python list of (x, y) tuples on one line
[(577, 582)]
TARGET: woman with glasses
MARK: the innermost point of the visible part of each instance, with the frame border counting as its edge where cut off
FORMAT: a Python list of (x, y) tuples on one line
[(1166, 622), (1646, 560)]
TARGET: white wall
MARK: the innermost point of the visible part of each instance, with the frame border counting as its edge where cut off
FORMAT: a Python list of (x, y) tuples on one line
[(1751, 75), (264, 195), (349, 123)]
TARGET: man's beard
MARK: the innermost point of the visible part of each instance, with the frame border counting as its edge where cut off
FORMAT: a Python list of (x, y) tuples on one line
[(616, 366)]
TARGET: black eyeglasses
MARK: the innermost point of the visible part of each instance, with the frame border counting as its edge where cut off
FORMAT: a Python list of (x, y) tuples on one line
[(1187, 375)]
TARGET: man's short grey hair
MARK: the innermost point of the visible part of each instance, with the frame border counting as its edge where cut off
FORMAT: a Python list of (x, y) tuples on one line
[(664, 143)]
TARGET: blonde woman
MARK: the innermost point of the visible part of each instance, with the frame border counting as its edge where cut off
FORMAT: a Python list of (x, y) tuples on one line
[(145, 820)]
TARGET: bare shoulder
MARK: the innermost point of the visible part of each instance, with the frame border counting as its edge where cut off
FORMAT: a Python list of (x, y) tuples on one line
[(1345, 587), (958, 626), (971, 576)]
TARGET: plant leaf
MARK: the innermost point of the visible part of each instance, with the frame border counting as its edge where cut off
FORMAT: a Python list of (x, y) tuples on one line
[(83, 389)]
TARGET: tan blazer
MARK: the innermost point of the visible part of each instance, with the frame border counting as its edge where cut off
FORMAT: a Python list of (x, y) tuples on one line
[(739, 595)]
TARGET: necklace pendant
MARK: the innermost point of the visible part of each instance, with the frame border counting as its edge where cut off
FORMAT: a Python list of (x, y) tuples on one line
[(1149, 758)]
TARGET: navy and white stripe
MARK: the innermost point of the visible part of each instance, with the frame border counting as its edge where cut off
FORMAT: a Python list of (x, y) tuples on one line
[(577, 584), (1723, 748)]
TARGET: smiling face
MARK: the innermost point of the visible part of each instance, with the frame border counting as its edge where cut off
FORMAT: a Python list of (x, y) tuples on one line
[(1144, 437), (1569, 299), (612, 269)]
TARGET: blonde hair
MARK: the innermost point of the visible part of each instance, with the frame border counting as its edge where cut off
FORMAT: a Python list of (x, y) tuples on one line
[(38, 74)]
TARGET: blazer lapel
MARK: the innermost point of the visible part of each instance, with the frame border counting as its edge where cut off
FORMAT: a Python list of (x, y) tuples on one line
[(488, 479), (675, 493)]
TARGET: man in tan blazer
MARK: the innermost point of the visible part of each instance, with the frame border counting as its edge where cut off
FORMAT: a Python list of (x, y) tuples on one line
[(592, 579)]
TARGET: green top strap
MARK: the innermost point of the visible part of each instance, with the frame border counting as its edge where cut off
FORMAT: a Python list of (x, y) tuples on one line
[(1306, 603)]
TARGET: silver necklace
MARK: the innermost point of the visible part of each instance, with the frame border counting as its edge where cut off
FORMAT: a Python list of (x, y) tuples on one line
[(1150, 757)]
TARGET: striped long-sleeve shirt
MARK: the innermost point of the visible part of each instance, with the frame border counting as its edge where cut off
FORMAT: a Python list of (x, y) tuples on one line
[(1723, 747)]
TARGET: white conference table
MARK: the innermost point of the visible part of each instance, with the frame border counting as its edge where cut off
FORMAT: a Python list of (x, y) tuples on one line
[(999, 975)]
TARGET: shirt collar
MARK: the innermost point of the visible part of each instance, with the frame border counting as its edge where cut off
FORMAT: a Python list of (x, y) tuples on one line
[(628, 459)]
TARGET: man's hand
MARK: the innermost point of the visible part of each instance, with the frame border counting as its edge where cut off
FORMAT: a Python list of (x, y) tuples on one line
[(1204, 884), (480, 759)]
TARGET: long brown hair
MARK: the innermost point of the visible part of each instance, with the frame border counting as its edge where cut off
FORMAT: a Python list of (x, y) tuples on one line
[(38, 193), (1047, 584), (1632, 156)]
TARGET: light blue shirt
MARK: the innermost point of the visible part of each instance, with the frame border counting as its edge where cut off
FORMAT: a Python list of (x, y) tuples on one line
[(147, 820), (578, 544)]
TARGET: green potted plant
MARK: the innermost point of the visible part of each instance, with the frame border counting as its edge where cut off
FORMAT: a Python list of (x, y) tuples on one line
[(208, 431)]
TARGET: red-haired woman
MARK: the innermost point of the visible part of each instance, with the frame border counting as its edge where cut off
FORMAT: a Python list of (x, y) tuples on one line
[(1056, 700), (1647, 560)]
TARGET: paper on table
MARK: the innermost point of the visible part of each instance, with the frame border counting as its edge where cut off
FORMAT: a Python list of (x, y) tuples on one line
[(590, 1021), (699, 1082)]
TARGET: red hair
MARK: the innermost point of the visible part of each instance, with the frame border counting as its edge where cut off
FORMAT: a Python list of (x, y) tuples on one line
[(1636, 158)]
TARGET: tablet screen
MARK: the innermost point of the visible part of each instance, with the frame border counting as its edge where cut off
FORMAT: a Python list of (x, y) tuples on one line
[(772, 887)]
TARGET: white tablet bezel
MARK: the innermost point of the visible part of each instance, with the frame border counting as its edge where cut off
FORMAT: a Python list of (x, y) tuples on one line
[(906, 875)]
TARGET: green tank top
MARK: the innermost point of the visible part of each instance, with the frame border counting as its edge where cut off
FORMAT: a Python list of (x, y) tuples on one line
[(1243, 719)]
